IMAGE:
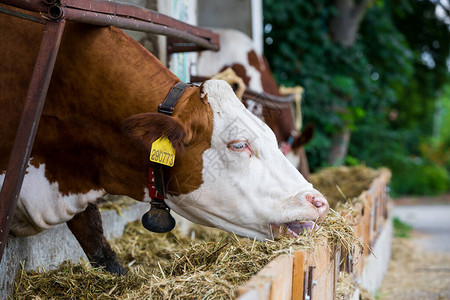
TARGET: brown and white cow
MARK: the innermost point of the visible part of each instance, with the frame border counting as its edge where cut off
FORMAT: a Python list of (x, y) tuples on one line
[(99, 120), (238, 53)]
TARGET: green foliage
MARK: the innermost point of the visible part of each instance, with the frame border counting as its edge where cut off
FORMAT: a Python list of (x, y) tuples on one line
[(424, 174), (444, 130), (414, 176), (435, 151), (336, 79), (352, 161), (401, 229), (342, 86), (383, 87)]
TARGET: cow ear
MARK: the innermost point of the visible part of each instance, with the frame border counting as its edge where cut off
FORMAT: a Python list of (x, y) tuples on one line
[(304, 137), (148, 127)]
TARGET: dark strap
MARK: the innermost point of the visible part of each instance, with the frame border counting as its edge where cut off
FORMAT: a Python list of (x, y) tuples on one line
[(158, 218), (156, 188), (168, 105)]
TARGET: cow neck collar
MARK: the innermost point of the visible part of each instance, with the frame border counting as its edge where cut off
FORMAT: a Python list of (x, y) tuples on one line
[(158, 218), (156, 171), (168, 105)]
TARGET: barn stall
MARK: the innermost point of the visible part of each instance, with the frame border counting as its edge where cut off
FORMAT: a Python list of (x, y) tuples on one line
[(296, 268), (53, 14), (329, 263)]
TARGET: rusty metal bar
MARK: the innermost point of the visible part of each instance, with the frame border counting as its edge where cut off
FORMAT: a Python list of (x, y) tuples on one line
[(305, 285), (133, 24), (311, 282), (196, 78), (267, 100), (139, 13), (33, 5), (28, 125), (22, 15), (125, 16), (177, 46)]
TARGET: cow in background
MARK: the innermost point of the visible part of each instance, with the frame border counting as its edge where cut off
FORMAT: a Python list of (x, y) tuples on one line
[(98, 125), (238, 53)]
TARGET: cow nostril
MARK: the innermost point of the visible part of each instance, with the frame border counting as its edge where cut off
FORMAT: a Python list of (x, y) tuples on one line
[(320, 204), (316, 200)]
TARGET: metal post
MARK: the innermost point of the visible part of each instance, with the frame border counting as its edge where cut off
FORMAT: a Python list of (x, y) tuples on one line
[(29, 122), (100, 19), (122, 15)]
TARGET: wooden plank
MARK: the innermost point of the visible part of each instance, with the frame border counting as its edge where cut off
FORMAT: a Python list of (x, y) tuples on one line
[(367, 222), (298, 275), (360, 231), (277, 274), (379, 199), (258, 288), (358, 261), (337, 260), (352, 262), (322, 288), (371, 212)]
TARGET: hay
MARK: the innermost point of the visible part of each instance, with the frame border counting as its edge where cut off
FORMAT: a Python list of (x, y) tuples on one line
[(346, 286), (338, 184), (72, 281), (172, 266)]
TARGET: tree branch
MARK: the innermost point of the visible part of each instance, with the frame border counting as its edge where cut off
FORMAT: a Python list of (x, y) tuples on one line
[(344, 26)]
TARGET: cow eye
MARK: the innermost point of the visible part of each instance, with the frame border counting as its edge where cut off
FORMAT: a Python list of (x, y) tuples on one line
[(240, 146)]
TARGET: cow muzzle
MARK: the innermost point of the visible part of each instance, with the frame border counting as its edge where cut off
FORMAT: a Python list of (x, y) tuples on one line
[(320, 203), (294, 229)]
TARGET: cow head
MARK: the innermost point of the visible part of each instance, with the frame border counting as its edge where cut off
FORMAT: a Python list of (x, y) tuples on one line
[(231, 174)]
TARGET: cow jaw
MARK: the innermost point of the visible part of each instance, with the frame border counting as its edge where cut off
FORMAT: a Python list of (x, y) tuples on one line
[(246, 192)]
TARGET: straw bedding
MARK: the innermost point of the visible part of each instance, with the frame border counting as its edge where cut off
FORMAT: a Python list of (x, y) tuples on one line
[(173, 266), (346, 286)]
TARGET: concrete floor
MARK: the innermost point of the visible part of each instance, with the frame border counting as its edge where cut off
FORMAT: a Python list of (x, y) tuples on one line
[(431, 220), (420, 265)]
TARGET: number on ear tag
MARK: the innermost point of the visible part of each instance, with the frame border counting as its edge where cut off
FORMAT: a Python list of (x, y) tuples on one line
[(163, 152)]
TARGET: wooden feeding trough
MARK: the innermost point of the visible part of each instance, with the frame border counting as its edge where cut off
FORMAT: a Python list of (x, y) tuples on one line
[(296, 277), (315, 275)]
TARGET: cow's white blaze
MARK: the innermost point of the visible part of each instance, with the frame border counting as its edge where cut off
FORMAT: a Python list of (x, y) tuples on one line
[(244, 193), (41, 205)]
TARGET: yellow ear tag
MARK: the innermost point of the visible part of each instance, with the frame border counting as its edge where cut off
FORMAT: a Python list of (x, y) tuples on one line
[(163, 152)]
